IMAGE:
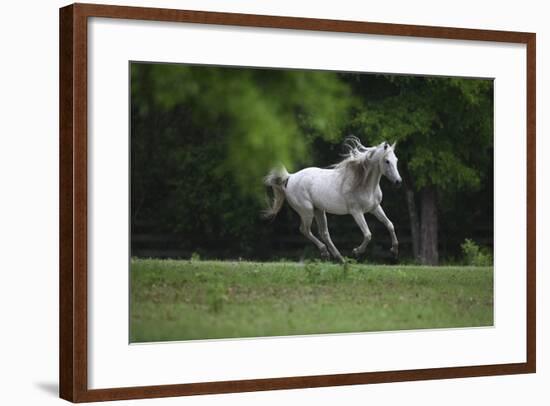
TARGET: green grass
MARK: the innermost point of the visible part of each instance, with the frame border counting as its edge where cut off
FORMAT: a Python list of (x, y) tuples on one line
[(186, 300)]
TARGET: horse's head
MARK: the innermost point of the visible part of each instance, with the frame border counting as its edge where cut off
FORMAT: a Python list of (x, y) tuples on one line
[(388, 163), (359, 159)]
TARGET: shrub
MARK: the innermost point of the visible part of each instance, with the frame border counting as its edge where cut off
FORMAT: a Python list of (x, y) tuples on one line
[(313, 270), (217, 297), (476, 255)]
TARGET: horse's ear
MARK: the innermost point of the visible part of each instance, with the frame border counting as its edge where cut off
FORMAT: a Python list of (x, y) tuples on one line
[(394, 145)]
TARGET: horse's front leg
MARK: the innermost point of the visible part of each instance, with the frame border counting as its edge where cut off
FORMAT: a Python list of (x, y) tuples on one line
[(362, 223), (380, 215)]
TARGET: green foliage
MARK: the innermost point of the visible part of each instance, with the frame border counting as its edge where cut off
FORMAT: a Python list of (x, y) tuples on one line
[(475, 255), (443, 126), (183, 300), (262, 117), (216, 296), (313, 270), (319, 272)]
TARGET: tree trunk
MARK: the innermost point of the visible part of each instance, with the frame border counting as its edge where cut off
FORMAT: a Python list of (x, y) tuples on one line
[(413, 217), (429, 254)]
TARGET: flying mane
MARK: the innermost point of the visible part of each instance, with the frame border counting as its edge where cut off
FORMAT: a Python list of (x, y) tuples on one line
[(358, 161)]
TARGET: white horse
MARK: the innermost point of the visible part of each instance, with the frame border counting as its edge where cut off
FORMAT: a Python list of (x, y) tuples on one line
[(350, 187)]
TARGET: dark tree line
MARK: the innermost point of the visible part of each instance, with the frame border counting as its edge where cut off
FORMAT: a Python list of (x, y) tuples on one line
[(203, 137)]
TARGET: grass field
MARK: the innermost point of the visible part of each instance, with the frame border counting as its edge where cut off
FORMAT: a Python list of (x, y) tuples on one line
[(185, 300)]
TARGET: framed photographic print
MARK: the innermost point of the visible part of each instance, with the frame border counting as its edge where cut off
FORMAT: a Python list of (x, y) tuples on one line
[(256, 202)]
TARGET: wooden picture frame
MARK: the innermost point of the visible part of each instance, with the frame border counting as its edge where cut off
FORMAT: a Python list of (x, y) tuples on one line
[(74, 201)]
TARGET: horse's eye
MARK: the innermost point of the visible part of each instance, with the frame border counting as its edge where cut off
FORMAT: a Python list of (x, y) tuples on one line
[(387, 161)]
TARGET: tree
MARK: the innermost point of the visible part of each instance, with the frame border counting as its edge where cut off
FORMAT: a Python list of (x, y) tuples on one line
[(271, 115), (203, 138), (444, 131), (216, 131)]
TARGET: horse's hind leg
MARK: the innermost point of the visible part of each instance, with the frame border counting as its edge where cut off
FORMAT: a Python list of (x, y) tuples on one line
[(322, 225), (305, 229)]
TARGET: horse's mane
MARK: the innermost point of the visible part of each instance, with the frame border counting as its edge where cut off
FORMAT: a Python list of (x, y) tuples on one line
[(357, 161)]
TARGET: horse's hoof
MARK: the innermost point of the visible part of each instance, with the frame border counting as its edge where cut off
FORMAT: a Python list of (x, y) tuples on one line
[(394, 251), (325, 255), (356, 252)]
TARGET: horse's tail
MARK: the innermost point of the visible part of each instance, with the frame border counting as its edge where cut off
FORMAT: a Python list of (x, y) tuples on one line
[(277, 179)]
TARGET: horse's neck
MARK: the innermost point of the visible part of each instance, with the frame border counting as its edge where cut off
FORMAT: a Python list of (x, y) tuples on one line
[(365, 186), (373, 179)]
